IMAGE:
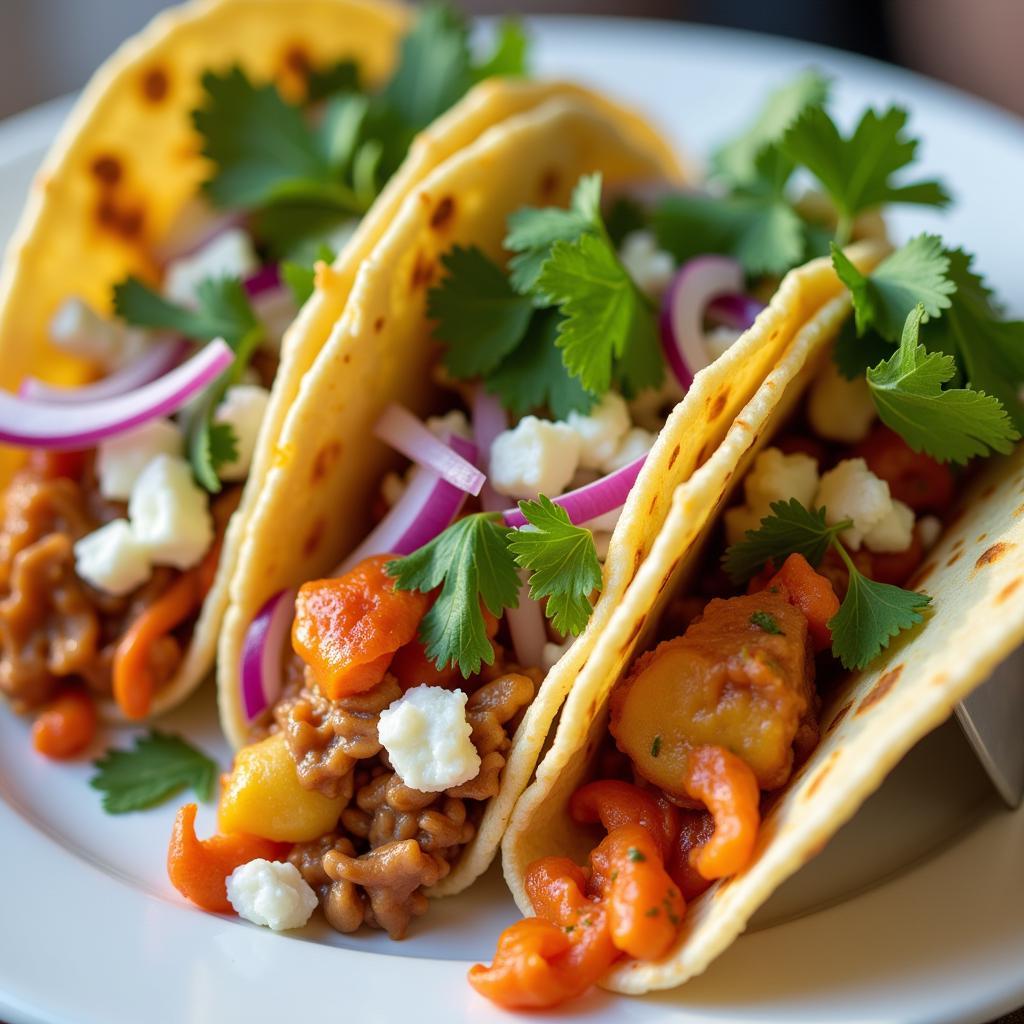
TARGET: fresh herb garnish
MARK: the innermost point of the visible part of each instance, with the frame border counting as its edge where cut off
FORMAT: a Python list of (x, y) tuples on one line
[(562, 561), (472, 564), (635, 855), (656, 747), (871, 613), (159, 766), (950, 424), (300, 277), (224, 311), (767, 622)]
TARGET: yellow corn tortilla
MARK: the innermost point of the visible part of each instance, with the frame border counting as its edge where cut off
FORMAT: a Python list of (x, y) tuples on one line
[(327, 466), (127, 164), (973, 575)]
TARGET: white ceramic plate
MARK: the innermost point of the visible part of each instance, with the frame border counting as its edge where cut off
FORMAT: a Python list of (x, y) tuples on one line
[(914, 913)]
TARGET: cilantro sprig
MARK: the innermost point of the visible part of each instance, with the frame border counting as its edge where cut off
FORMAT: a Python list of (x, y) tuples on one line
[(871, 613), (476, 562), (158, 766), (223, 311)]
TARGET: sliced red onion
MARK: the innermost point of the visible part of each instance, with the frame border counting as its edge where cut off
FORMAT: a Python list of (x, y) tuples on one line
[(489, 420), (81, 425), (591, 500), (161, 357), (429, 505), (736, 310), (410, 436), (266, 279), (262, 649), (681, 322)]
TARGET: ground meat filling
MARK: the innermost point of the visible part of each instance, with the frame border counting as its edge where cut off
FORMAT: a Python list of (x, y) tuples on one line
[(392, 841)]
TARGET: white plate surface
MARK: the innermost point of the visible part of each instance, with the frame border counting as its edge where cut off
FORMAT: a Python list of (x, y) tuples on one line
[(915, 912)]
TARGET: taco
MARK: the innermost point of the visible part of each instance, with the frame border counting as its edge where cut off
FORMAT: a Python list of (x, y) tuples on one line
[(390, 681), (837, 574), (205, 167)]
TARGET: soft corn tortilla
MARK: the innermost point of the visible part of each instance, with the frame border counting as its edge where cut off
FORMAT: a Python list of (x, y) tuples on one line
[(974, 576), (127, 164), (327, 466)]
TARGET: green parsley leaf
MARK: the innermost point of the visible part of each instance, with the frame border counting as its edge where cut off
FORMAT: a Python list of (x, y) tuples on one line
[(870, 616), (989, 350), (609, 331), (322, 83), (656, 747), (471, 563), (856, 172), (159, 766), (532, 232), (951, 424), (480, 318), (766, 622), (635, 855), (533, 376), (735, 162), (510, 57), (916, 272), (790, 529), (562, 563), (625, 215)]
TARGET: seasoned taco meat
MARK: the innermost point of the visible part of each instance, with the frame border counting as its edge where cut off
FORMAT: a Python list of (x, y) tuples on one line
[(741, 677)]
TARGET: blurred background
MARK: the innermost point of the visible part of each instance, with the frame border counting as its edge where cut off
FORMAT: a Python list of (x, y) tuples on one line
[(49, 47)]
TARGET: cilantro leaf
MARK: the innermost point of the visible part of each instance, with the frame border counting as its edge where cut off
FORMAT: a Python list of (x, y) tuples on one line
[(951, 424), (790, 529), (735, 162), (562, 562), (870, 616), (480, 318), (159, 766), (340, 77), (766, 622), (510, 56), (916, 272), (533, 375), (471, 563), (609, 331), (532, 232), (856, 172), (855, 354), (989, 350)]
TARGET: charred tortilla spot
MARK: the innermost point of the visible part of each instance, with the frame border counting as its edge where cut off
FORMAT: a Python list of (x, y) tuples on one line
[(327, 455), (313, 538), (126, 222), (653, 505), (672, 458), (885, 683), (443, 214), (347, 357), (633, 634), (955, 557), (718, 405), (1018, 511), (131, 222), (820, 774), (705, 454), (989, 491), (155, 85), (548, 184), (959, 544), (1007, 590), (378, 325), (992, 554), (107, 169), (296, 60), (838, 717), (422, 271), (980, 538)]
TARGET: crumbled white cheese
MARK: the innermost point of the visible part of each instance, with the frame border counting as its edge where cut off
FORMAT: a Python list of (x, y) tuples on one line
[(169, 514), (893, 532), (536, 457), (776, 476), (451, 423), (740, 519), (651, 407), (243, 407), (650, 267), (427, 737), (553, 652), (839, 409), (720, 339), (78, 329), (271, 893), (111, 559), (120, 460), (852, 491), (601, 430), (929, 529), (229, 254), (637, 442)]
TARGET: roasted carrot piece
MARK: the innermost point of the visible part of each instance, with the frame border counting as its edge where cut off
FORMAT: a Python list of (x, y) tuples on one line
[(914, 478), (614, 803), (66, 726), (199, 868), (812, 593)]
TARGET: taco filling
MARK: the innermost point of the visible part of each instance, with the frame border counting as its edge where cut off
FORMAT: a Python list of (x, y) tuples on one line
[(112, 528), (394, 713)]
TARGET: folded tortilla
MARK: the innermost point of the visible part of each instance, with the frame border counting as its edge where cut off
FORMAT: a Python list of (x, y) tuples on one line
[(127, 164), (875, 716), (326, 466)]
